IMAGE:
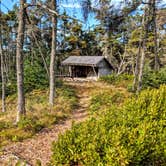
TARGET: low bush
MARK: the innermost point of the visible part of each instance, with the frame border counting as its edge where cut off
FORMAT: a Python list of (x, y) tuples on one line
[(109, 99), (4, 125), (30, 124), (13, 134), (116, 79), (35, 76), (133, 135), (154, 79)]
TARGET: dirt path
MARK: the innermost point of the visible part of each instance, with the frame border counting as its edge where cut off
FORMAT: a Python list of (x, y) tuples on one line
[(39, 147)]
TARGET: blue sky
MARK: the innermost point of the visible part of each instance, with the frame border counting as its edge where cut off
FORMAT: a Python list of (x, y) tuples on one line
[(72, 8), (71, 4), (6, 5)]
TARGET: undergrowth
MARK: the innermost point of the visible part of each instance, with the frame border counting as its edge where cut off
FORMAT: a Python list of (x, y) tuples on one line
[(102, 100), (133, 134), (122, 80), (39, 114), (153, 78)]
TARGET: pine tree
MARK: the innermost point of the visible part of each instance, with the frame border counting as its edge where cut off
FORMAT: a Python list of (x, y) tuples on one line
[(19, 62)]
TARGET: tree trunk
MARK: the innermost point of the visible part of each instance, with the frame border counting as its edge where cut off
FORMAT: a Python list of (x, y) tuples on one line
[(136, 72), (53, 54), (3, 79), (143, 50), (2, 67), (156, 65), (19, 62), (142, 61)]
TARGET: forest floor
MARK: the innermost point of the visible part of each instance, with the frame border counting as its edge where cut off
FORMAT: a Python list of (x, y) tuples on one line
[(38, 148)]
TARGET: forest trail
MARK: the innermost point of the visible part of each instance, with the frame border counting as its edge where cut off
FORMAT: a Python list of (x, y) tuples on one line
[(39, 147)]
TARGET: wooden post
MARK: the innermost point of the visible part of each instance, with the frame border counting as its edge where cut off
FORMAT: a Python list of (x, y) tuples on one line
[(95, 71)]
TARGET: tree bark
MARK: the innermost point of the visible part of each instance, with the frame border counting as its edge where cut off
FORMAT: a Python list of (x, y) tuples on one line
[(142, 61), (2, 67), (143, 50), (136, 71), (156, 65), (53, 54), (3, 79), (19, 62)]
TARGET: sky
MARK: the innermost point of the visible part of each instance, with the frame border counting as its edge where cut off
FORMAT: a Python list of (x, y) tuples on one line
[(8, 4), (73, 8)]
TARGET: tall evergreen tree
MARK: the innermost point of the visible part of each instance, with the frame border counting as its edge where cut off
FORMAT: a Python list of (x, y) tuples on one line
[(53, 54), (19, 61), (2, 65)]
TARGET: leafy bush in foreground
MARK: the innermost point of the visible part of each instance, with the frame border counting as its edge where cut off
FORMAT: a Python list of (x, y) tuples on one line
[(134, 135)]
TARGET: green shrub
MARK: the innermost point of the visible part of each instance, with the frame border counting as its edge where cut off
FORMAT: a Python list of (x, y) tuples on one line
[(4, 125), (154, 79), (30, 124), (133, 135), (13, 134), (114, 79), (34, 75), (105, 100), (11, 88)]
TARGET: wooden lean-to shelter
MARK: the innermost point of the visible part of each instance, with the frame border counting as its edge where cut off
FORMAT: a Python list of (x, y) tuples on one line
[(87, 66)]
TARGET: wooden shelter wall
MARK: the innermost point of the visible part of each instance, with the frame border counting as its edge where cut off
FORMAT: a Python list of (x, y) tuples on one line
[(104, 68)]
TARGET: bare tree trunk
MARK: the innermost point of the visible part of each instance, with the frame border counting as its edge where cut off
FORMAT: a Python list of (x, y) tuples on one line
[(3, 79), (2, 67), (139, 87), (136, 72), (19, 62), (143, 50), (140, 59), (156, 65), (53, 54)]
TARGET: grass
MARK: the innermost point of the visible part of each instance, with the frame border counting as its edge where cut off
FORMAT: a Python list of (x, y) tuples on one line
[(39, 114), (123, 80), (104, 99)]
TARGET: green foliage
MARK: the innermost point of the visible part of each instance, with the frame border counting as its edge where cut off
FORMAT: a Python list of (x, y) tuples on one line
[(34, 75), (108, 100), (11, 88), (115, 79), (4, 125), (38, 162), (132, 135), (13, 134), (30, 124), (68, 95), (21, 163), (154, 79)]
